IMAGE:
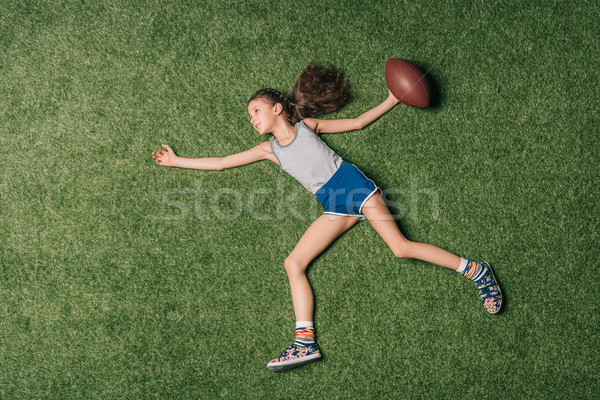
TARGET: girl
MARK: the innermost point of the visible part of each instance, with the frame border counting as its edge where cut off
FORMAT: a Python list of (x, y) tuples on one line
[(346, 194)]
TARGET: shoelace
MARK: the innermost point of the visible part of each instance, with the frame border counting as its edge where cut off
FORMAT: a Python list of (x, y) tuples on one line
[(294, 350), (485, 287)]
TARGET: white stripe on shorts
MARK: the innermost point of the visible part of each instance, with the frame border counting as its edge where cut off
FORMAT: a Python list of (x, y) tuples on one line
[(368, 197)]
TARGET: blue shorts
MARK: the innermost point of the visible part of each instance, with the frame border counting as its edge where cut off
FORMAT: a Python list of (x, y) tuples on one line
[(346, 192)]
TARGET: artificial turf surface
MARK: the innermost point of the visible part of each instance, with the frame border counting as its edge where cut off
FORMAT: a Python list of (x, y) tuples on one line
[(123, 279)]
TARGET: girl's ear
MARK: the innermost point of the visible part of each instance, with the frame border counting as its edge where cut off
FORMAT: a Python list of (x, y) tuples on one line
[(277, 108)]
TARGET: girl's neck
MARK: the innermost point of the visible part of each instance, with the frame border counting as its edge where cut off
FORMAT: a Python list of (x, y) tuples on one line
[(284, 133)]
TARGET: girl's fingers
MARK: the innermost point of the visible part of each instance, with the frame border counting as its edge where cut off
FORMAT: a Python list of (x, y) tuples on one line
[(158, 156)]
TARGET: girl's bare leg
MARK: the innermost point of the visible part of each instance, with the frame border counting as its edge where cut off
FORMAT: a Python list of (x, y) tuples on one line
[(382, 221), (319, 235)]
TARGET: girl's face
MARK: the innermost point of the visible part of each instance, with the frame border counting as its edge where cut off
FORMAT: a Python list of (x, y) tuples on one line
[(263, 115)]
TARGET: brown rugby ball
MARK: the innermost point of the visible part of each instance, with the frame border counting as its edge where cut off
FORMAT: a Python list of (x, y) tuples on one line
[(407, 82)]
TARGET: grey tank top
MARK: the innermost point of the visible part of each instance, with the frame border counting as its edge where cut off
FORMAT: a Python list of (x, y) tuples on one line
[(307, 158)]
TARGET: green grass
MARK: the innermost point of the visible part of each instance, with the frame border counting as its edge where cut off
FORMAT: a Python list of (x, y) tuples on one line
[(108, 291)]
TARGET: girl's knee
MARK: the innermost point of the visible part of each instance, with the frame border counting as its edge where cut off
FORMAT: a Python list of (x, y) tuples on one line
[(403, 249), (293, 266)]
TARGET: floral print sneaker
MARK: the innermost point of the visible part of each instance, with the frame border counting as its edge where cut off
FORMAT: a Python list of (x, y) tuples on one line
[(489, 291), (294, 356)]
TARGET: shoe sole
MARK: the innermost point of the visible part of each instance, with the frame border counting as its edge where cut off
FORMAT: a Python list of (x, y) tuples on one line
[(499, 290), (285, 365)]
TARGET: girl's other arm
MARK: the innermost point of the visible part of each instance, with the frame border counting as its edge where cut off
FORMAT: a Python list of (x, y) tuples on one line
[(257, 153), (345, 125)]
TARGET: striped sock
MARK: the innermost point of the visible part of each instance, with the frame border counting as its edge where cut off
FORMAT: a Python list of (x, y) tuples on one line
[(305, 333), (472, 270)]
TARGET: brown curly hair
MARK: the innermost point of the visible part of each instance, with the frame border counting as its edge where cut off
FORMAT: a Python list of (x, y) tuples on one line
[(319, 90)]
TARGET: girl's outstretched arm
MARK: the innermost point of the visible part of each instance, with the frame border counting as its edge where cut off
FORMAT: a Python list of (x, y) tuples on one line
[(345, 125), (168, 158)]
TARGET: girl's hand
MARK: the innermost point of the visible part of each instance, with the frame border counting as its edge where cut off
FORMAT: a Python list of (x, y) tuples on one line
[(166, 158), (393, 98)]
